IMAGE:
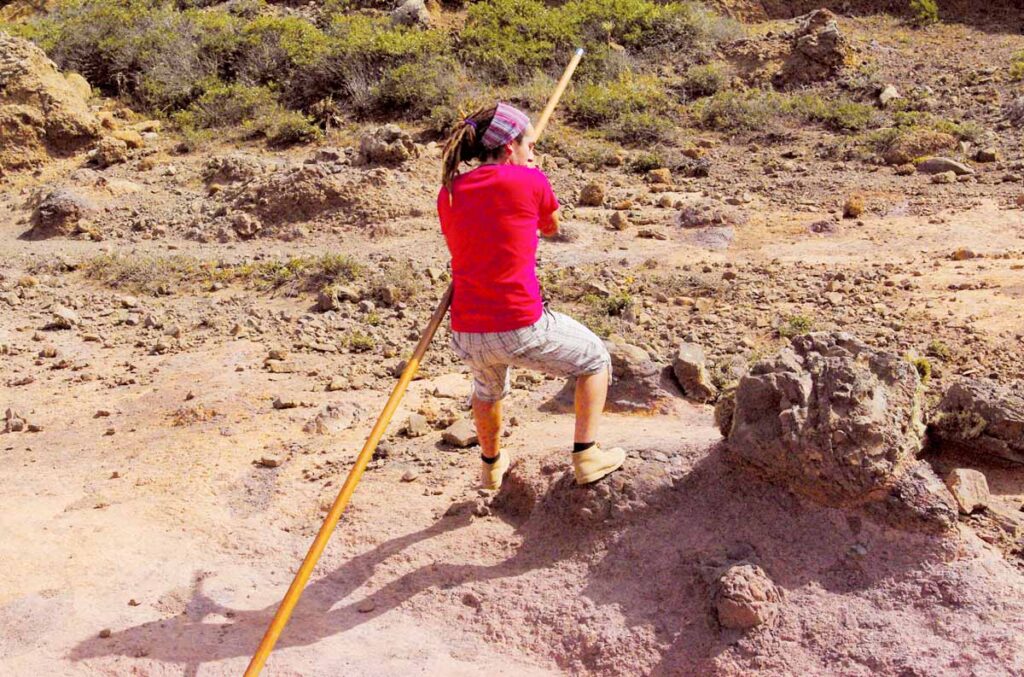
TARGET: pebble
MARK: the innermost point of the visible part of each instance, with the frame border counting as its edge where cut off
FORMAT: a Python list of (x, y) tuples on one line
[(270, 461), (410, 475), (366, 606)]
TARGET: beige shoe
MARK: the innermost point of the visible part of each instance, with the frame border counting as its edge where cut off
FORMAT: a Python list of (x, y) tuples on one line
[(594, 463), (491, 474)]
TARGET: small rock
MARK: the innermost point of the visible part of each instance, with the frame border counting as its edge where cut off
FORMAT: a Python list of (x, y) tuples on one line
[(105, 633), (338, 383), (944, 178), (962, 254), (619, 221), (410, 475), (452, 386), (64, 318), (969, 488), (366, 606), (460, 434), (592, 195), (986, 155), (285, 402), (471, 599), (417, 425), (689, 366), (269, 461), (745, 597), (888, 95)]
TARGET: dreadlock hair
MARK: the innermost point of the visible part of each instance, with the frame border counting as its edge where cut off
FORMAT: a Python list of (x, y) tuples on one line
[(465, 144)]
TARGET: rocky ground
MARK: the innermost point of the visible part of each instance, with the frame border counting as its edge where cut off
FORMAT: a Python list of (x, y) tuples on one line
[(195, 343)]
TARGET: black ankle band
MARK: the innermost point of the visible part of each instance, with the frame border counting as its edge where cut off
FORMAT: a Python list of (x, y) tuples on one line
[(581, 446), (490, 461)]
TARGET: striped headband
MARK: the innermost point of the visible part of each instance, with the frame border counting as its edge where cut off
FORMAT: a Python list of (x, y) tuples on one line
[(507, 124)]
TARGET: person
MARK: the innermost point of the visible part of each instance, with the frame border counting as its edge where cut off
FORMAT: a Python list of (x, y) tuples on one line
[(490, 217)]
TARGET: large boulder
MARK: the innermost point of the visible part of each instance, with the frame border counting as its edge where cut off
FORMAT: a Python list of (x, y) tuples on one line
[(638, 383), (387, 145), (41, 113), (830, 419), (59, 213), (819, 51), (981, 417)]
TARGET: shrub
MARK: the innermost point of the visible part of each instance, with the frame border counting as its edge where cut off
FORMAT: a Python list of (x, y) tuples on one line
[(283, 127), (255, 110), (507, 38), (705, 80), (749, 110), (640, 128), (924, 12), (1017, 66), (271, 48), (940, 350), (510, 38), (415, 90), (795, 325), (840, 115), (645, 161), (227, 105), (632, 108), (362, 49)]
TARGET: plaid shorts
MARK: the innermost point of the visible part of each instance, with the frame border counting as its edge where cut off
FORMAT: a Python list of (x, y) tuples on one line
[(555, 344)]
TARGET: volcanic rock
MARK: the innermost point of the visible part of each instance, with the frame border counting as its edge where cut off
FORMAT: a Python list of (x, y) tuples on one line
[(460, 434), (969, 488), (387, 145), (41, 113), (981, 417), (690, 369), (830, 419), (59, 213), (745, 597)]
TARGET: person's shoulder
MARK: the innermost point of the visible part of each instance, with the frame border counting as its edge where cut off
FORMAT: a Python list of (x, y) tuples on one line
[(526, 174)]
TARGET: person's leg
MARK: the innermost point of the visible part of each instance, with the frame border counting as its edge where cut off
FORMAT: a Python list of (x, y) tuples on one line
[(591, 391), (487, 416)]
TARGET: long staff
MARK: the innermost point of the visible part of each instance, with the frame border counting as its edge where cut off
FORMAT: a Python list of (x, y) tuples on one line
[(291, 598)]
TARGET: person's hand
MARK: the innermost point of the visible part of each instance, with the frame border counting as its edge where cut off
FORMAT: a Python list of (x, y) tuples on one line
[(550, 229)]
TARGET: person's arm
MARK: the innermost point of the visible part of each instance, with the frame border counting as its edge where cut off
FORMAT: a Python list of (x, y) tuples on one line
[(549, 227), (547, 206)]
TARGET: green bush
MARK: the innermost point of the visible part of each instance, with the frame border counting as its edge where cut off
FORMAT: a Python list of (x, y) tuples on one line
[(640, 128), (415, 90), (283, 127), (362, 50), (1017, 66), (924, 12), (508, 38), (271, 48), (736, 111), (705, 80), (795, 325), (596, 104), (840, 115)]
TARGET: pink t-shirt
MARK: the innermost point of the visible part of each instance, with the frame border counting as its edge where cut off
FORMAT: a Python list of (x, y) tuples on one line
[(491, 230)]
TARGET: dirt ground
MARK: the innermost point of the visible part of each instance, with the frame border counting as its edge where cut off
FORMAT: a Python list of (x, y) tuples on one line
[(157, 515)]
